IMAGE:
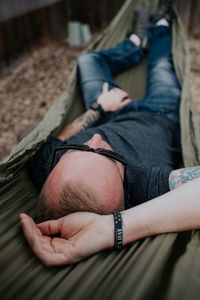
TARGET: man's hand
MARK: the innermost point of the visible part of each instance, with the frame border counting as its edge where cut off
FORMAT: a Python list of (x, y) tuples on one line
[(81, 234), (114, 99)]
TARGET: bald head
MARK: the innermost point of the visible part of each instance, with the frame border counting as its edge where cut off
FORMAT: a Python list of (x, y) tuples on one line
[(91, 181)]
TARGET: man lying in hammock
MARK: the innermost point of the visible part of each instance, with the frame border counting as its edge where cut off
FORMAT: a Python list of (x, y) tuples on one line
[(118, 155)]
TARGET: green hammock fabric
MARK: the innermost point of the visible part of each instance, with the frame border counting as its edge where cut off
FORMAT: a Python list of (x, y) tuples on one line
[(162, 267)]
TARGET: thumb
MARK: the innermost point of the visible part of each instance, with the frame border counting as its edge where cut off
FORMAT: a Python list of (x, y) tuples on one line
[(105, 87), (51, 227)]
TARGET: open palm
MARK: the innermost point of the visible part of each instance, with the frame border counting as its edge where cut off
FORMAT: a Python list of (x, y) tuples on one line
[(80, 235)]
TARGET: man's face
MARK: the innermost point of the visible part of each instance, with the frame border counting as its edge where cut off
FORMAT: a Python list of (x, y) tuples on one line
[(102, 175), (97, 142)]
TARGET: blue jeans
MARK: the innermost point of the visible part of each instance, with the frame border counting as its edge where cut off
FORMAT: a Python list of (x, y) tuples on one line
[(163, 89)]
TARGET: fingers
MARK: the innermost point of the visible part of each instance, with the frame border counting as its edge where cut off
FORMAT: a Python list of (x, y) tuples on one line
[(51, 227), (32, 234), (29, 227), (126, 101), (47, 228), (40, 244), (120, 92), (115, 91), (125, 98), (105, 87)]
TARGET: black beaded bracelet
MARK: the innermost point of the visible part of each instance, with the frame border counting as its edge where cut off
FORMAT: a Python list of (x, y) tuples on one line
[(118, 230)]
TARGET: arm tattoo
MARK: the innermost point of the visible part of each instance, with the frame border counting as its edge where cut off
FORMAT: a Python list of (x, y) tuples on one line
[(89, 118), (178, 177)]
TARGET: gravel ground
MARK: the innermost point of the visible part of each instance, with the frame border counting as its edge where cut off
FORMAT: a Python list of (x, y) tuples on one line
[(27, 93)]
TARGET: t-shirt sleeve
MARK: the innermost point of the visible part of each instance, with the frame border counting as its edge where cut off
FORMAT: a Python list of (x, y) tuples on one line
[(39, 165), (158, 182)]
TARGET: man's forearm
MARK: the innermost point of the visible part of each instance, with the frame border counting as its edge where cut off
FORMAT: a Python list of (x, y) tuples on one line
[(174, 211), (88, 119), (181, 176)]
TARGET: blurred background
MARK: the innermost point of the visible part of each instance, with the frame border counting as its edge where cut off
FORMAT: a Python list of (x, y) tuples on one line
[(37, 55)]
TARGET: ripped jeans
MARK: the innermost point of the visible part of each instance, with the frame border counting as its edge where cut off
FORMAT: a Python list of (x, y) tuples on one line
[(163, 89)]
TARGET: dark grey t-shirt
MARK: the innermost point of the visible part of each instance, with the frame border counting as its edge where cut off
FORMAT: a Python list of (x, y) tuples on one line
[(149, 142)]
